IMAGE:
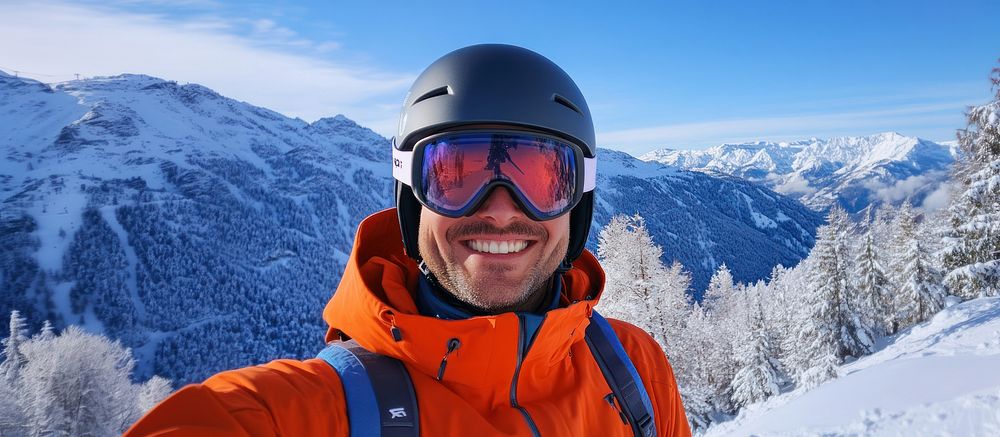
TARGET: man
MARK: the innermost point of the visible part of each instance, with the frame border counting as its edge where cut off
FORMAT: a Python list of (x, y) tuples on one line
[(487, 303)]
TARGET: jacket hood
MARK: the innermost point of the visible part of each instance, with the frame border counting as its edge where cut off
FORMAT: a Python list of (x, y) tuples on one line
[(376, 296)]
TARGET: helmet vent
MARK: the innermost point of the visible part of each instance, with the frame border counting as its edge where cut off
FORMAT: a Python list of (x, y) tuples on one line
[(565, 102), (433, 93)]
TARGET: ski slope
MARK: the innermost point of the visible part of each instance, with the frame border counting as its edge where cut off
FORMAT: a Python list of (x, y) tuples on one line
[(939, 378)]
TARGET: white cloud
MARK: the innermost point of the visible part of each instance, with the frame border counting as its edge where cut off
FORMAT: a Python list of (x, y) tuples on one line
[(262, 67), (939, 198), (907, 188), (795, 184)]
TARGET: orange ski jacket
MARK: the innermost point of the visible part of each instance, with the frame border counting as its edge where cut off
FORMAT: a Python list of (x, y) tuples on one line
[(559, 383)]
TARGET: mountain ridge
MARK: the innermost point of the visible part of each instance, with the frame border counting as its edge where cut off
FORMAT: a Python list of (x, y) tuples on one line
[(178, 220), (854, 172)]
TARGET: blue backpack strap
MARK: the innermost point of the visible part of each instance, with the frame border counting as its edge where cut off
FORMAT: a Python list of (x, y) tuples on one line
[(621, 375), (377, 390)]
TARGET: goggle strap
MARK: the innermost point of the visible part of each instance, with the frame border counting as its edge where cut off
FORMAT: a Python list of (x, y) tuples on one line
[(589, 174), (402, 166)]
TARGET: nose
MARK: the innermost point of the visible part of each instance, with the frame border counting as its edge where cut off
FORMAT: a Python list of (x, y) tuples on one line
[(500, 208)]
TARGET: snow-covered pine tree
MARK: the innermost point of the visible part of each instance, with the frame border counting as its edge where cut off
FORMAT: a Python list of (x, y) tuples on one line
[(832, 309), (617, 251), (721, 305), (674, 304), (933, 230), (790, 295), (757, 376), (972, 252), (824, 367), (782, 300), (719, 287), (47, 332), (775, 300), (640, 290), (903, 229), (882, 229), (697, 378), (635, 289), (811, 346), (875, 298), (13, 357), (922, 294)]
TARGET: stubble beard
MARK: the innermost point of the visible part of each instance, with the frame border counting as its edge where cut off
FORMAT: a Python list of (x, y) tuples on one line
[(481, 293)]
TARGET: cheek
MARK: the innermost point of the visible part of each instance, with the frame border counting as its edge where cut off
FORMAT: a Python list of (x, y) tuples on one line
[(562, 227), (558, 230), (432, 233), (425, 235)]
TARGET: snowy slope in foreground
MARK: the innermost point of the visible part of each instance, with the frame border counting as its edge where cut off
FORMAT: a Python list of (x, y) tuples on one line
[(938, 378)]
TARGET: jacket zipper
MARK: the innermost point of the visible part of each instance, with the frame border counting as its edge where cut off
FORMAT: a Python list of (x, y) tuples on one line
[(522, 350)]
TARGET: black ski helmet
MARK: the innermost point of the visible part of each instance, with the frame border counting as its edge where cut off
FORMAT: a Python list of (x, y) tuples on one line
[(494, 85)]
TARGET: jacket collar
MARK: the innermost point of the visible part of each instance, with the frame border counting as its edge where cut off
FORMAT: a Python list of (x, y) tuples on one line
[(376, 297), (432, 302)]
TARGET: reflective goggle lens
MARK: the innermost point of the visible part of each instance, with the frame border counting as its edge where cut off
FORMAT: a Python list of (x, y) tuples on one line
[(458, 169)]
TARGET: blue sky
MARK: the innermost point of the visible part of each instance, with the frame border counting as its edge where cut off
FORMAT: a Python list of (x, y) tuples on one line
[(656, 74)]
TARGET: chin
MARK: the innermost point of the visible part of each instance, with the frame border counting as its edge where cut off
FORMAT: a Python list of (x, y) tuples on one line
[(493, 295)]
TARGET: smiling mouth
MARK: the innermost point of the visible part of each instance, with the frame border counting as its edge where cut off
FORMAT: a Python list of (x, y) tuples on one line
[(497, 247)]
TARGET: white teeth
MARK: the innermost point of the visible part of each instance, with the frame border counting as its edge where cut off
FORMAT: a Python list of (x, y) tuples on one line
[(499, 247)]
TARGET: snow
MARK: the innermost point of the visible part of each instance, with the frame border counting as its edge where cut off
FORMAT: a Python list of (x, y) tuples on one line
[(614, 163), (60, 212), (64, 308), (760, 220), (936, 378), (61, 301), (816, 171)]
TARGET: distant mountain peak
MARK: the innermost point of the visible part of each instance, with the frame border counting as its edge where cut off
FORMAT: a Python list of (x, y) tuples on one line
[(337, 121), (851, 170), (125, 81)]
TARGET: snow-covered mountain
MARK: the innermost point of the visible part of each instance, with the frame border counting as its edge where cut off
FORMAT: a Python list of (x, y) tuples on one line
[(203, 232), (704, 220), (852, 171), (936, 378), (207, 233)]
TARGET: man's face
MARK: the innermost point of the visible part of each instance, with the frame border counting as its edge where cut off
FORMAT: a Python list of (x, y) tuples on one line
[(461, 253)]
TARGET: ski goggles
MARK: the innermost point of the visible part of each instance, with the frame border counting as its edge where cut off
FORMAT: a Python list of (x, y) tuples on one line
[(452, 173)]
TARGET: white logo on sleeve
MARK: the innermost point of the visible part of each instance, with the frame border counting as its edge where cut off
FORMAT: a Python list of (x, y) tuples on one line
[(397, 413)]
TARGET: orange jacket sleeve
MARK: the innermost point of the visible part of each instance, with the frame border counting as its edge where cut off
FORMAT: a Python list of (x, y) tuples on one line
[(283, 397), (657, 377)]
